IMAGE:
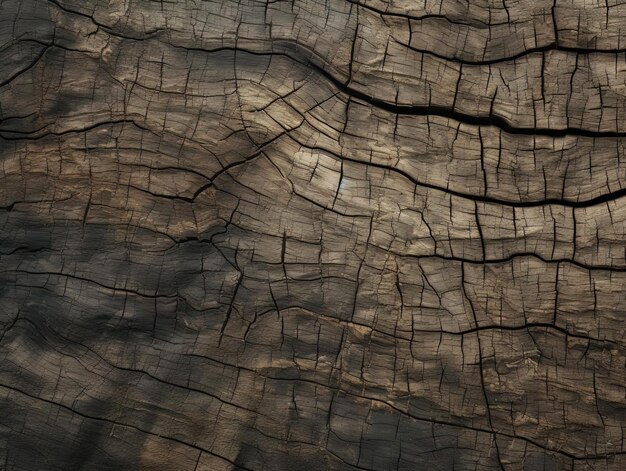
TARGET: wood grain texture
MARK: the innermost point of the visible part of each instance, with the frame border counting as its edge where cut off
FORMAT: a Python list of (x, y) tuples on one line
[(305, 234)]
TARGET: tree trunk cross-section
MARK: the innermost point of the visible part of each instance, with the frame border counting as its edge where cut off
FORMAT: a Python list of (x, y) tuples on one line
[(312, 235)]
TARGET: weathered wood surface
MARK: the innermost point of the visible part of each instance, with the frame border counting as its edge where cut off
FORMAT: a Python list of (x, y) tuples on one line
[(312, 234)]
